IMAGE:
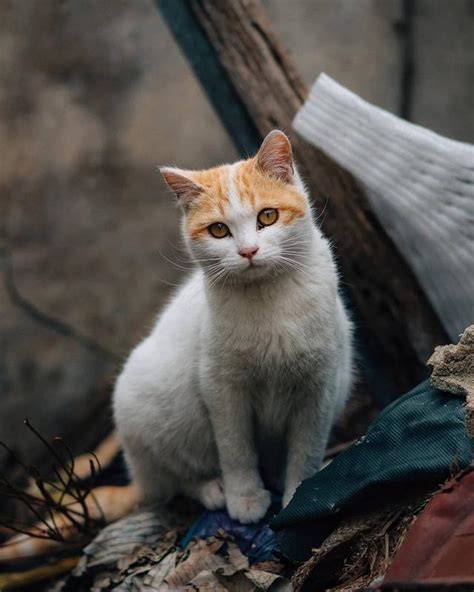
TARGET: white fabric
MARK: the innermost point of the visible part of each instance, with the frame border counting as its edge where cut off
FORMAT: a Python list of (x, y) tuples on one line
[(420, 185)]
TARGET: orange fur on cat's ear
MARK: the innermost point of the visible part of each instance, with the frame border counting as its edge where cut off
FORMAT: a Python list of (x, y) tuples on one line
[(275, 157), (182, 185)]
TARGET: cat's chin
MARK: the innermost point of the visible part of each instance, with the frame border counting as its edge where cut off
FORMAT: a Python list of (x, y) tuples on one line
[(253, 273)]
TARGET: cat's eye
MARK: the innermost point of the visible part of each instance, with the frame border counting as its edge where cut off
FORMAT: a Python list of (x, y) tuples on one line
[(218, 230), (267, 217)]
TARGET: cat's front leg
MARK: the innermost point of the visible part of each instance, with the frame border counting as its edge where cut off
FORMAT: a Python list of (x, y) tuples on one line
[(246, 498), (307, 438)]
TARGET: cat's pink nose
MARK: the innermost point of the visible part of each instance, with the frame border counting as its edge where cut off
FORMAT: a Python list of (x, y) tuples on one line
[(248, 252)]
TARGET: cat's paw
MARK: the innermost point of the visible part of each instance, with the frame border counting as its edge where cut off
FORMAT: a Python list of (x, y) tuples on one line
[(211, 495), (248, 508)]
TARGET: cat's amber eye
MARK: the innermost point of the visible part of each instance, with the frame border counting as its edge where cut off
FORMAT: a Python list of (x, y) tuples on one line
[(218, 230), (267, 217)]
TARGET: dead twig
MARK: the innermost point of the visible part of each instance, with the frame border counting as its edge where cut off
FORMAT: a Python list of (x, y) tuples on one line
[(59, 506)]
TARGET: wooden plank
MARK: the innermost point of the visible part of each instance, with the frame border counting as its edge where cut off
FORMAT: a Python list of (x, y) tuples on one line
[(396, 322)]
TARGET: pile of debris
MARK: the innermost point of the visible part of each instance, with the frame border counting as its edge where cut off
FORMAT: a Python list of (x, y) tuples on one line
[(391, 512)]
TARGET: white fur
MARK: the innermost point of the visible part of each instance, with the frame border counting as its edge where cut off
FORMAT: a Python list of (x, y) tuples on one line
[(245, 371)]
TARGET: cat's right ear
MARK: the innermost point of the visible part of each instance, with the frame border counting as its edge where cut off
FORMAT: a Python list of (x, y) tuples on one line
[(275, 156), (185, 189)]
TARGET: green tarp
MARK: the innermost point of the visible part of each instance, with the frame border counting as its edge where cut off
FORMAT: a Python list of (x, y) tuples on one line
[(419, 437)]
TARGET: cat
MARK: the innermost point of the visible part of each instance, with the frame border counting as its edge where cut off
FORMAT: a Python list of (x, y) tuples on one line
[(237, 386)]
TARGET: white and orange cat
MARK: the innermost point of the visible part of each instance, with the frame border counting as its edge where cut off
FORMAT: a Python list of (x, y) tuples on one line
[(236, 388)]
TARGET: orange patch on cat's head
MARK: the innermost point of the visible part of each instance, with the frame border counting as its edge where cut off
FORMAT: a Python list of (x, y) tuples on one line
[(263, 181), (257, 189), (209, 207), (254, 187), (262, 191)]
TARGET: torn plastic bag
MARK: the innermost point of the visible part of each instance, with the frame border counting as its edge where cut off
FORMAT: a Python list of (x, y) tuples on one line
[(257, 541)]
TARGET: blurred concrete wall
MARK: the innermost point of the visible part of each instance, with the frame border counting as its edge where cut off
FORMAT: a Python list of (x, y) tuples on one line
[(93, 96), (367, 45)]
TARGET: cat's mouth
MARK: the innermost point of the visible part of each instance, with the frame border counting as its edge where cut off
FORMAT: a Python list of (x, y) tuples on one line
[(254, 269), (250, 269)]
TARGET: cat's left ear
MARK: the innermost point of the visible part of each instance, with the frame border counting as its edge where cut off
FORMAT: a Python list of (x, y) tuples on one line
[(185, 189), (275, 157)]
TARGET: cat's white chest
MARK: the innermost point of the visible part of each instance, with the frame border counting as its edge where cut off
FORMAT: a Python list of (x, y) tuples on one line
[(272, 331), (273, 339)]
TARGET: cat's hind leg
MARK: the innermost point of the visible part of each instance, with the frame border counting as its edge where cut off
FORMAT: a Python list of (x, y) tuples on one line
[(155, 482), (158, 484)]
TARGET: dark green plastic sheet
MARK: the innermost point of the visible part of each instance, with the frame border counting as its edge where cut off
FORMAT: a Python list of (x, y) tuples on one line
[(419, 437)]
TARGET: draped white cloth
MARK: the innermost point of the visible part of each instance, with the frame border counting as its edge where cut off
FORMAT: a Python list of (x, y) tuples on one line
[(420, 185)]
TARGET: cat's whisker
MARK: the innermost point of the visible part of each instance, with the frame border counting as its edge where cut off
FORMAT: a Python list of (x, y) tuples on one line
[(321, 216), (162, 281), (298, 254), (180, 246), (297, 240), (191, 261), (300, 264), (213, 271), (213, 265), (288, 255), (293, 264), (217, 279), (195, 260), (299, 250), (177, 265), (225, 278), (214, 274)]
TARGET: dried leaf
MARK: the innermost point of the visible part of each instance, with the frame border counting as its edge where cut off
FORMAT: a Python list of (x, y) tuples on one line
[(158, 573), (237, 582), (201, 557), (253, 580), (275, 567), (237, 559), (205, 581), (122, 538)]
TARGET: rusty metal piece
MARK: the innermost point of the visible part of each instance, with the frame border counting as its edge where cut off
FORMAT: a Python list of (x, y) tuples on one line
[(439, 547)]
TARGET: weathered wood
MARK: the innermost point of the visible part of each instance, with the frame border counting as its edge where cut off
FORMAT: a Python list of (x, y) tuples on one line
[(396, 322)]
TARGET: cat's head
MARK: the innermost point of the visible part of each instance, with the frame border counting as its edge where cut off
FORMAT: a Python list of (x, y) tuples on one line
[(248, 220)]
